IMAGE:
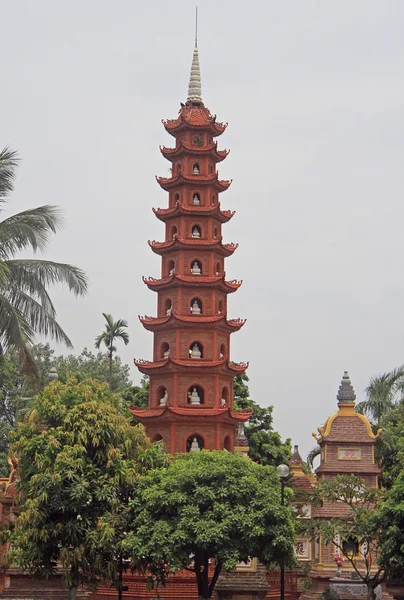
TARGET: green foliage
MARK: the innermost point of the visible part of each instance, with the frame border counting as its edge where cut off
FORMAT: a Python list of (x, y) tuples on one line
[(265, 444), (210, 505), (76, 456), (390, 445), (138, 395), (114, 330), (360, 521), (383, 393), (26, 308), (392, 516)]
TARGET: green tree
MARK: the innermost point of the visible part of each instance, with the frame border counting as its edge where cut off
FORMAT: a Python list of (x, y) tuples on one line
[(382, 394), (210, 505), (26, 308), (75, 454), (392, 517), (114, 330), (359, 525), (138, 395), (265, 444), (390, 445)]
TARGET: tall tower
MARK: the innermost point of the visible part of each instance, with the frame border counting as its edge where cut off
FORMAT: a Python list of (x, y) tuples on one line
[(191, 374)]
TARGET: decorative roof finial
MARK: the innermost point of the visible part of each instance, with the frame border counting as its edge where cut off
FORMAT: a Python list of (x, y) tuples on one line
[(195, 88), (346, 393)]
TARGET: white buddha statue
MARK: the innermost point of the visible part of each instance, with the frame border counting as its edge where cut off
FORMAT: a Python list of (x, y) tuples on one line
[(196, 199), (195, 446), (167, 353), (195, 351), (195, 308), (223, 402), (196, 170), (196, 233), (171, 271), (195, 399), (169, 310), (196, 269), (163, 400)]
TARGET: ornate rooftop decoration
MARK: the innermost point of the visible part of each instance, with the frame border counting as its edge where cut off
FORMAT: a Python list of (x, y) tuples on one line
[(296, 459), (195, 85), (346, 393)]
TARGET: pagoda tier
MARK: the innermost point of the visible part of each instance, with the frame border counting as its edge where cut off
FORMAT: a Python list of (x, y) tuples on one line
[(212, 180), (188, 149), (177, 243), (165, 214), (172, 321), (195, 116), (176, 279), (198, 366), (191, 374)]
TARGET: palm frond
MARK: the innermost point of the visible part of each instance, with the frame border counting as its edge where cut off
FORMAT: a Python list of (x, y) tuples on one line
[(29, 228), (38, 318), (8, 164), (49, 273), (27, 281), (16, 334)]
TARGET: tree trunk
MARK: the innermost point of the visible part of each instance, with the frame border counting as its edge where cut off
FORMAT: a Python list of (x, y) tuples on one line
[(203, 586), (72, 591), (120, 572), (110, 368), (371, 593)]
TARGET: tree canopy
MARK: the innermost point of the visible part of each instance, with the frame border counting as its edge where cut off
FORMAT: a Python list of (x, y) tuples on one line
[(210, 505), (114, 330), (76, 453)]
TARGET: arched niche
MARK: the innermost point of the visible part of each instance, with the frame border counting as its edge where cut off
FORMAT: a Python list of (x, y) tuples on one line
[(216, 232), (196, 199), (195, 443), (173, 231), (165, 350), (176, 197), (196, 306), (227, 445), (213, 199), (211, 168), (222, 351), (157, 438), (170, 267), (196, 395), (196, 232), (196, 267), (220, 307), (225, 396), (195, 350), (162, 396), (218, 268), (179, 167), (195, 169), (168, 306)]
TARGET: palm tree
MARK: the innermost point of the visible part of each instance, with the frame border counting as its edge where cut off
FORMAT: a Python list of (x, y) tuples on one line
[(114, 330), (26, 308), (383, 393)]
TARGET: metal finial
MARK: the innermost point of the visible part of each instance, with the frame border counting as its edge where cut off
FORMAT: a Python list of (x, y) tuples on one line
[(196, 26)]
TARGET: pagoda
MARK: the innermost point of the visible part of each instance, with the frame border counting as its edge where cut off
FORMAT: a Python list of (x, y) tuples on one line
[(191, 375)]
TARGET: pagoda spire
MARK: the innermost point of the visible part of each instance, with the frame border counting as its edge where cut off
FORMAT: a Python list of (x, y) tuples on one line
[(195, 87), (346, 393)]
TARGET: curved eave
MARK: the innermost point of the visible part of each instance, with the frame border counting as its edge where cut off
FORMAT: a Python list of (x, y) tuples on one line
[(148, 367), (176, 126), (212, 151), (173, 321), (169, 183), (169, 413), (345, 410), (177, 243), (164, 214), (194, 281)]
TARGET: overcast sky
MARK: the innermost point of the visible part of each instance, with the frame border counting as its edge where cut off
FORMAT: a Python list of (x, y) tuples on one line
[(313, 93)]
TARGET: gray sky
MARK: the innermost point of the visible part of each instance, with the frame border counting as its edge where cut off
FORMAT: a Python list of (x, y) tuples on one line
[(313, 93)]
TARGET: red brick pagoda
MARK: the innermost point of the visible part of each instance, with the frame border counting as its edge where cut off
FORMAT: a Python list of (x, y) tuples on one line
[(191, 375)]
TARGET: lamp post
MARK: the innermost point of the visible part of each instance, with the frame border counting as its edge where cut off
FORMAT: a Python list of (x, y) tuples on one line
[(283, 472)]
